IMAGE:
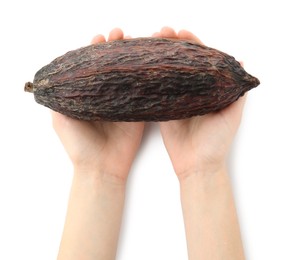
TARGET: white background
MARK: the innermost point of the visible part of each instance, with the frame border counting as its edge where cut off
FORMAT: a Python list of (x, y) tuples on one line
[(35, 173)]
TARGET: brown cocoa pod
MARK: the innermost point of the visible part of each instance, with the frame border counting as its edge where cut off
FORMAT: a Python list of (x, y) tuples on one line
[(141, 79)]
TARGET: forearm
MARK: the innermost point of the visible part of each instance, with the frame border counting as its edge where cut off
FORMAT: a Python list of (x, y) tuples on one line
[(210, 217), (93, 218)]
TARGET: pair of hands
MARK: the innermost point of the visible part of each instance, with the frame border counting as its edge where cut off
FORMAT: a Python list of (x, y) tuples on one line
[(197, 144)]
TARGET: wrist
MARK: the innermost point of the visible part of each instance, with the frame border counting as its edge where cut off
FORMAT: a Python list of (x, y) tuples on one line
[(202, 172), (97, 175), (205, 184)]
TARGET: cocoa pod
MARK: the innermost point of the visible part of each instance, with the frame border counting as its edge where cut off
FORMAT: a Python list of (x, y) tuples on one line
[(141, 79)]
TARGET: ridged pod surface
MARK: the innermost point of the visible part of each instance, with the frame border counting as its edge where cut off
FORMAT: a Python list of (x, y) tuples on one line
[(141, 79)]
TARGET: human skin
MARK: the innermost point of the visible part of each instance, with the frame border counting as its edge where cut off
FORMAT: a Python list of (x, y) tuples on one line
[(198, 148), (102, 154)]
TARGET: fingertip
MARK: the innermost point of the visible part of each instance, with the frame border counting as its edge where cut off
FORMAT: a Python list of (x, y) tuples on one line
[(187, 35), (168, 32), (98, 39), (116, 34)]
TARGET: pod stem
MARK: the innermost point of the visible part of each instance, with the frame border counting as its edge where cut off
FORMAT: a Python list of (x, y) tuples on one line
[(28, 87)]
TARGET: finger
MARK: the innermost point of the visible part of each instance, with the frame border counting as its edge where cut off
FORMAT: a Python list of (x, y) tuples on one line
[(98, 39), (168, 32), (116, 34), (186, 35)]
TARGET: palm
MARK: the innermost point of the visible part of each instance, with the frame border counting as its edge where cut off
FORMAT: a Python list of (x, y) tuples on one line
[(202, 140), (92, 145), (118, 143), (109, 147)]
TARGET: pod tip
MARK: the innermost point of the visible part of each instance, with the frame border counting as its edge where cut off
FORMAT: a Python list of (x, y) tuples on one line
[(28, 87)]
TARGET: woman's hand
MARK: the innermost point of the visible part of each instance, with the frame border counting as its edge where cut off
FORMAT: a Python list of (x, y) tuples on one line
[(200, 143), (106, 148), (198, 148), (102, 154)]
